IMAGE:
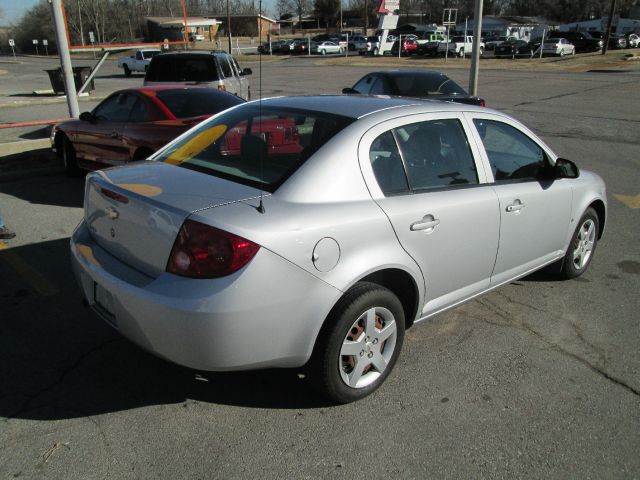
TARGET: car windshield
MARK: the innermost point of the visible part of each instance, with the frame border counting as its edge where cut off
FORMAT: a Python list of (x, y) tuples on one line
[(194, 102), (255, 145), (424, 85), (182, 68)]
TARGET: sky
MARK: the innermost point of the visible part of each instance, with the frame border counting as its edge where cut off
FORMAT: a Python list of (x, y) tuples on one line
[(14, 9)]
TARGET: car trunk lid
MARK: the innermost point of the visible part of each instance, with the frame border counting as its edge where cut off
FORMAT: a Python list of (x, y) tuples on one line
[(135, 212)]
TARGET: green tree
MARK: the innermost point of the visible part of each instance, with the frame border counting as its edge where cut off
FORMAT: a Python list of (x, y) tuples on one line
[(327, 11)]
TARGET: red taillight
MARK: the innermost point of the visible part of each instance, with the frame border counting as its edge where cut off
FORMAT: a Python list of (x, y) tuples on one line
[(201, 251), (483, 103)]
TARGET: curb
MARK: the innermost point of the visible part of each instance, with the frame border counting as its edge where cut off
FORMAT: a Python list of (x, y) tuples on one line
[(13, 148)]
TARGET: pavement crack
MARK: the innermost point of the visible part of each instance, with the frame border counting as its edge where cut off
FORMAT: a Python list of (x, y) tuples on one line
[(26, 405), (512, 322)]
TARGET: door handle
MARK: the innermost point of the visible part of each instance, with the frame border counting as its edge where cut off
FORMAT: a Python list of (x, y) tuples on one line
[(428, 222), (515, 207)]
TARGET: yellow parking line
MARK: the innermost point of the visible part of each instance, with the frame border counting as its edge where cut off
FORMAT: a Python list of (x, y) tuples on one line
[(34, 278), (631, 201)]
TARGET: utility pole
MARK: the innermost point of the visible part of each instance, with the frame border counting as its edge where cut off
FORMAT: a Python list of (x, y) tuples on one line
[(609, 23), (475, 57), (229, 26), (65, 59)]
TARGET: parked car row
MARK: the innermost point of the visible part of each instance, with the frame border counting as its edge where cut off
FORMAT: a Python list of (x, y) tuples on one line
[(321, 44)]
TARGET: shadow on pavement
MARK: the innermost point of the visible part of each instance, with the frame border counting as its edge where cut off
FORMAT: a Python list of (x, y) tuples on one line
[(59, 360), (58, 190)]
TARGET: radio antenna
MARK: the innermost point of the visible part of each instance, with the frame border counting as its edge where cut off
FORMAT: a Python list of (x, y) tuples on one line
[(264, 136)]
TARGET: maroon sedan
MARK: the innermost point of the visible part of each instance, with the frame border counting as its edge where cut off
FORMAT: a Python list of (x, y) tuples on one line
[(131, 124)]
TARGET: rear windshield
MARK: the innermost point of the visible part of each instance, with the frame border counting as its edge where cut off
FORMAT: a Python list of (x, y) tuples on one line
[(255, 145), (194, 102), (423, 85), (182, 68)]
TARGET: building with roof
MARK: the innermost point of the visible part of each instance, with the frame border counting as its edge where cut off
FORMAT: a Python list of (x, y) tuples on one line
[(524, 28), (172, 28), (619, 25)]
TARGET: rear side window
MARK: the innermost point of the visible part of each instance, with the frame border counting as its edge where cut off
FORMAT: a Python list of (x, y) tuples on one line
[(255, 145), (421, 156), (182, 68)]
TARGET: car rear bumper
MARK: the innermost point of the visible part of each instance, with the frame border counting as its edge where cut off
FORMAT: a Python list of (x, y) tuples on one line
[(267, 314)]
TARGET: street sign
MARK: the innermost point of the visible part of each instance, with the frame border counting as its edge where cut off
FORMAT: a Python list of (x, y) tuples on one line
[(45, 42), (35, 42), (12, 42), (92, 38)]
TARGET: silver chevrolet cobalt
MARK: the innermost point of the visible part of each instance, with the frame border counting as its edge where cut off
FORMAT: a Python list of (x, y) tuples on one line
[(313, 231)]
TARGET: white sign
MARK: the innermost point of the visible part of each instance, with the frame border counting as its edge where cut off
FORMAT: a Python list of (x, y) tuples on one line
[(166, 44), (389, 22), (45, 42), (92, 38), (12, 42), (392, 5), (35, 42)]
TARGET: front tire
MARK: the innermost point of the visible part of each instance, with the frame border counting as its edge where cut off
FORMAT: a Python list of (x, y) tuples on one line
[(359, 344), (127, 70), (582, 246)]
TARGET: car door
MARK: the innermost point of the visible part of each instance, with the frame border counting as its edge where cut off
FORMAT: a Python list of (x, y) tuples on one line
[(424, 174), (101, 139), (242, 79), (535, 209), (231, 82)]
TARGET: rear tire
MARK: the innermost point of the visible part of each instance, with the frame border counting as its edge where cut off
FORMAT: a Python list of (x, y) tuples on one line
[(359, 344), (69, 160)]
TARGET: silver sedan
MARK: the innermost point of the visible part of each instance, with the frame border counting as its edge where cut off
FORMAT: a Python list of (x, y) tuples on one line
[(558, 46), (313, 231)]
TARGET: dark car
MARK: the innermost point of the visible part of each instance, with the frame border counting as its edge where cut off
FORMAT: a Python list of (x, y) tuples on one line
[(413, 83), (132, 124), (514, 49), (583, 41)]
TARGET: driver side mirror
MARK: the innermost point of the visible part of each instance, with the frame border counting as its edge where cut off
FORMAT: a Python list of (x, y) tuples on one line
[(246, 71), (565, 169), (87, 117), (349, 90)]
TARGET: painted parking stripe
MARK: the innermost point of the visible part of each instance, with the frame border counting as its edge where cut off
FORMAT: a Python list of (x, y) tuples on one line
[(631, 201), (34, 278)]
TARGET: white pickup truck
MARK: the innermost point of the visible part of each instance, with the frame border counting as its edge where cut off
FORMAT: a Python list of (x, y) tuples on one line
[(139, 62), (460, 46)]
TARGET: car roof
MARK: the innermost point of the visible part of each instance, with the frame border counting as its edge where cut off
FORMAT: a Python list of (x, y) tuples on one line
[(358, 106), (192, 53), (410, 73)]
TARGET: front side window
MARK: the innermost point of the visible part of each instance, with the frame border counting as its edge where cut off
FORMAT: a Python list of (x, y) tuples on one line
[(364, 85), (512, 154), (255, 145), (116, 108), (226, 67)]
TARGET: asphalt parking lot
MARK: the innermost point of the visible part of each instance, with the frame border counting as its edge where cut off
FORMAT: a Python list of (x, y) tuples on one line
[(539, 379)]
